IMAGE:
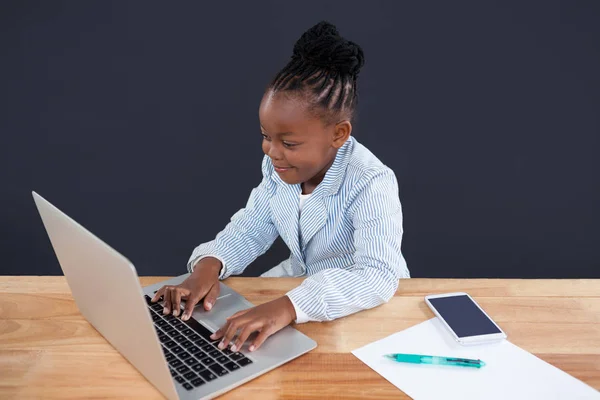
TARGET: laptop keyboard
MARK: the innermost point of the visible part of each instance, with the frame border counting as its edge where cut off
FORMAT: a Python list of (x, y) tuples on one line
[(193, 357)]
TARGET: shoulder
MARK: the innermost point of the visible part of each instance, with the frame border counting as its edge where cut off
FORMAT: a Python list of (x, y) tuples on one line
[(364, 168), (371, 186)]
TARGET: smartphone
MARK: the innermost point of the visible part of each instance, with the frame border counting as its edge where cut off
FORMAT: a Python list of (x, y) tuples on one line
[(466, 321)]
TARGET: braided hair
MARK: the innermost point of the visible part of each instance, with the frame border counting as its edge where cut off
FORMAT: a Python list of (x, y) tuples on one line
[(323, 69)]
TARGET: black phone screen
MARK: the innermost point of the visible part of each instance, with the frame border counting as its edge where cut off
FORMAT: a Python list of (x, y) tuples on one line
[(463, 316)]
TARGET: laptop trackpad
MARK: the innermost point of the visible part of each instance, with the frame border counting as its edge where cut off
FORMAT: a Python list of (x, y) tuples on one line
[(224, 307)]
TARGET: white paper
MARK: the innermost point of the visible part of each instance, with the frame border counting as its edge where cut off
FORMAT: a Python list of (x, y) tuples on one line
[(510, 372)]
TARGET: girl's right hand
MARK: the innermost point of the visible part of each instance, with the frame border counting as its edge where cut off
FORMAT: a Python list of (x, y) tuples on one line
[(202, 283)]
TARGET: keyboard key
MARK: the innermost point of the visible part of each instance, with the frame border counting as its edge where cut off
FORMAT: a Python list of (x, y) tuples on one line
[(207, 361), (155, 317), (187, 386), (222, 359), (176, 349), (199, 328), (217, 369), (157, 307), (168, 329), (200, 342), (231, 366), (193, 349), (165, 350), (178, 324), (169, 317), (208, 348), (148, 299), (191, 361), (161, 322), (244, 361), (186, 344), (169, 357), (173, 372), (227, 351), (198, 382), (184, 355), (207, 375), (236, 356), (198, 367), (179, 338), (183, 369), (163, 338), (193, 337), (175, 363), (199, 355), (190, 375), (170, 344), (179, 379), (215, 353), (187, 332)]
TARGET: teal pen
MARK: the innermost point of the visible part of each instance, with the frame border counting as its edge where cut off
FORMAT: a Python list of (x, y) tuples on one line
[(423, 359)]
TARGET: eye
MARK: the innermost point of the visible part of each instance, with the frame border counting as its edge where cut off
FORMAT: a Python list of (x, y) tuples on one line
[(265, 137), (289, 145)]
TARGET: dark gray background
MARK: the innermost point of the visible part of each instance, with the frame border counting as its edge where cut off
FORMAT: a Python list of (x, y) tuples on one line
[(140, 120)]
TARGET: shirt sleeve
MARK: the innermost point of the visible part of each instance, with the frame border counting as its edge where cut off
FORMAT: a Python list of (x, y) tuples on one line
[(249, 234), (192, 264), (301, 316), (372, 280)]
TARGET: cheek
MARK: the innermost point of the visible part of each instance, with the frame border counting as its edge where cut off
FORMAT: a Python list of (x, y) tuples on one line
[(265, 147), (304, 161)]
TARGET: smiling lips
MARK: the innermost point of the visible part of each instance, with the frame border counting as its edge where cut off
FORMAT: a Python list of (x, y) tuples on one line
[(281, 169)]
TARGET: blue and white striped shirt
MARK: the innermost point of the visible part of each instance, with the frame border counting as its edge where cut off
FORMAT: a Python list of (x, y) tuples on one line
[(346, 240)]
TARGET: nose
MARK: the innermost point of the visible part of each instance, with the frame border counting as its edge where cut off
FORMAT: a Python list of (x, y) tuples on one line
[(274, 152)]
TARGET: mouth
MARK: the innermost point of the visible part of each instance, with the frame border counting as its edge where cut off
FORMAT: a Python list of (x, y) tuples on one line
[(282, 169)]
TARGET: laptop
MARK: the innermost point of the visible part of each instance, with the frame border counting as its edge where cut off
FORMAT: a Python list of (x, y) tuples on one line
[(177, 357)]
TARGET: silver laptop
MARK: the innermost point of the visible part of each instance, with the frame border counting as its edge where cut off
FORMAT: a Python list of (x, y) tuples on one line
[(177, 357)]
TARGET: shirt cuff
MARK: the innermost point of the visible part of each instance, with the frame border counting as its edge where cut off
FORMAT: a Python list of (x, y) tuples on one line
[(301, 316), (223, 268)]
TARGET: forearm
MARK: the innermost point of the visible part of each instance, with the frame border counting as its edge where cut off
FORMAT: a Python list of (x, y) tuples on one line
[(335, 293)]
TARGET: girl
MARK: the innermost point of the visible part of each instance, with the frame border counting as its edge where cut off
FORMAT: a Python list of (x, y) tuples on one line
[(332, 201)]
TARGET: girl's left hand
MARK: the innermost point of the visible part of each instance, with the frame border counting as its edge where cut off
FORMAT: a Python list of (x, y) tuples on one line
[(266, 319)]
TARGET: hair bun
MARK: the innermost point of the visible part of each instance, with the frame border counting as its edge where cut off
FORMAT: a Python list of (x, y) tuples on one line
[(322, 46)]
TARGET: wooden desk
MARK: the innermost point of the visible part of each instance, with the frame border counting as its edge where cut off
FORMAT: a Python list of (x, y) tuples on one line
[(47, 349)]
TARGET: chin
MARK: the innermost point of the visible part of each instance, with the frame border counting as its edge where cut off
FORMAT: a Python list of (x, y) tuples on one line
[(290, 180)]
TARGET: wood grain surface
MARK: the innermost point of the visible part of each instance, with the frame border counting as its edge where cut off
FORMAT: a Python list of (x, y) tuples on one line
[(48, 350)]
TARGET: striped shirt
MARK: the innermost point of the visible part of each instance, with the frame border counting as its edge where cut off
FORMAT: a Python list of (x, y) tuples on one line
[(346, 240)]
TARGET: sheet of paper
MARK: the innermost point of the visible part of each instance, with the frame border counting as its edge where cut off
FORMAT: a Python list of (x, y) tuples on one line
[(510, 372)]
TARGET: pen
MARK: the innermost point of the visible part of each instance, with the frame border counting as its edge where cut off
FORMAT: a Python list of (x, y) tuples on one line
[(423, 359)]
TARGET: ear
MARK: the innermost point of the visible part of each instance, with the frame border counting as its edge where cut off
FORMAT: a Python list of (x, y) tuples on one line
[(341, 133)]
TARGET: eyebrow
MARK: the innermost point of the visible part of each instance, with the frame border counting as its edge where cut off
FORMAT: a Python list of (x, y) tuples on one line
[(280, 134)]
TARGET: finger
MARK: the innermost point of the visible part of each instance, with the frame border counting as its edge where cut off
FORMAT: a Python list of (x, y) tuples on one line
[(158, 294), (230, 333), (167, 296), (176, 301), (219, 333), (239, 313), (189, 306), (243, 336), (261, 337), (211, 297)]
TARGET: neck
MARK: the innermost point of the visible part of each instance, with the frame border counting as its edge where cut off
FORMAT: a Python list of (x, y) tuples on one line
[(312, 183)]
